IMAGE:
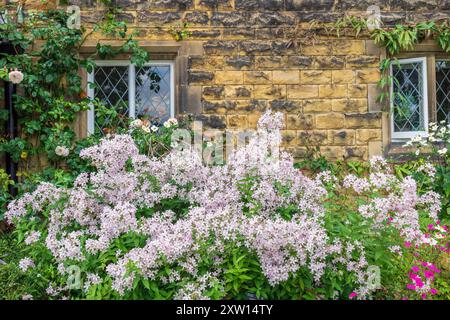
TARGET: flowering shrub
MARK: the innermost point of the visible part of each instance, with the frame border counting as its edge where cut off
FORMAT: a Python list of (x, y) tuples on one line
[(174, 228), (432, 161), (437, 139), (151, 137)]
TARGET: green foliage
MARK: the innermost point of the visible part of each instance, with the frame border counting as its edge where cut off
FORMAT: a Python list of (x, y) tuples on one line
[(180, 31), (357, 24), (400, 36), (5, 182)]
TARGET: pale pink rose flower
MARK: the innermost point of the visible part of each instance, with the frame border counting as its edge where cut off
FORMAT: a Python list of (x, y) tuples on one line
[(15, 76)]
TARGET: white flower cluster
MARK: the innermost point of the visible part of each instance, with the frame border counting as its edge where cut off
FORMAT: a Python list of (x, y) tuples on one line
[(147, 127), (438, 136)]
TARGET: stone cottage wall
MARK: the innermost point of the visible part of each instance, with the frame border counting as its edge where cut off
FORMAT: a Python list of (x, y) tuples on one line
[(245, 56)]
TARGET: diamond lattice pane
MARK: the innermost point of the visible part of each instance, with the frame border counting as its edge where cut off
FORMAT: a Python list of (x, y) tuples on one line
[(153, 92), (443, 90), (111, 87), (408, 97)]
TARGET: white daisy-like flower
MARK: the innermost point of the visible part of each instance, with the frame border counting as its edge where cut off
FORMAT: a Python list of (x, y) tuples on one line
[(136, 123), (442, 151), (173, 121)]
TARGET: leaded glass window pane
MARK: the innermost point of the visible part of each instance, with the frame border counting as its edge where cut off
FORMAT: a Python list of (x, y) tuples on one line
[(111, 87), (443, 90), (144, 92), (408, 97), (153, 92)]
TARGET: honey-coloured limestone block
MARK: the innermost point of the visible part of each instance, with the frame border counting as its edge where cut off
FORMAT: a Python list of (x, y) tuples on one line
[(317, 105), (349, 105), (238, 92), (341, 137), (331, 120), (363, 136), (315, 77), (348, 47), (357, 91), (286, 77), (237, 121), (289, 138), (300, 121), (313, 137), (343, 76), (368, 120), (368, 75), (229, 77), (302, 91), (258, 77), (333, 91), (269, 92)]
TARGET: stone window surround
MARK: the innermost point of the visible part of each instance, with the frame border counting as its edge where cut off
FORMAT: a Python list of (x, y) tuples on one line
[(187, 98)]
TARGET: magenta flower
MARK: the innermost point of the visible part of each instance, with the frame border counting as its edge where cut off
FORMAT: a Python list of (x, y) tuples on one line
[(419, 283), (415, 269), (428, 274), (430, 227), (433, 268), (352, 295), (433, 291), (410, 286), (413, 276), (407, 244)]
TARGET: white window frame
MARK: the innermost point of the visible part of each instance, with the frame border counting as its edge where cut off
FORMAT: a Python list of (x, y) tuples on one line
[(410, 134), (131, 86)]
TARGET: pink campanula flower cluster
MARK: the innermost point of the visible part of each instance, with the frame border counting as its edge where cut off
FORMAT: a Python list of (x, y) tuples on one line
[(25, 264), (397, 204)]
